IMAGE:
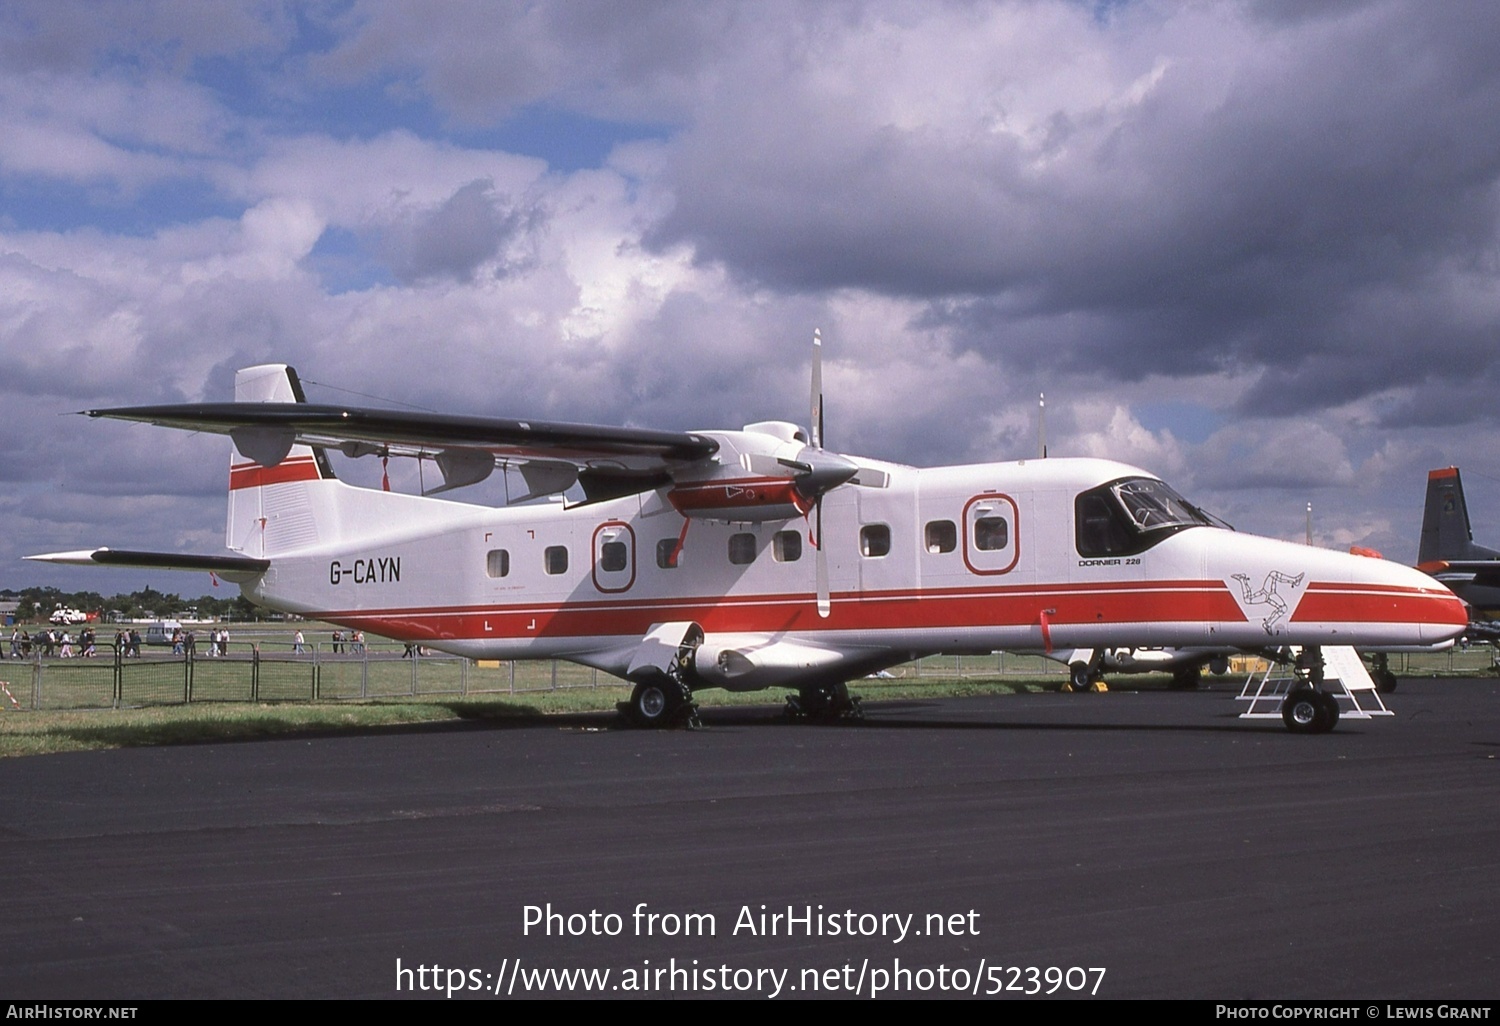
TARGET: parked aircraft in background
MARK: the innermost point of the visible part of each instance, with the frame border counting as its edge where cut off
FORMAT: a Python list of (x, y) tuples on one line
[(1447, 550), (755, 558), (65, 616), (1186, 665)]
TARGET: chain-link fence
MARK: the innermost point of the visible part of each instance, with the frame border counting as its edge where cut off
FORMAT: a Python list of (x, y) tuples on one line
[(271, 671), (282, 671)]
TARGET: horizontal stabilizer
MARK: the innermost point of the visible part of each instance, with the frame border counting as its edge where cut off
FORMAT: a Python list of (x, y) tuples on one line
[(232, 568)]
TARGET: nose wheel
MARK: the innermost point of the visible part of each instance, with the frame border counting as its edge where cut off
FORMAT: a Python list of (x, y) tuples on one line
[(1307, 710)]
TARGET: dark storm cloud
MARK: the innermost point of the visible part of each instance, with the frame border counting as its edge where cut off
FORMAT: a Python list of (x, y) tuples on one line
[(482, 61), (1264, 211), (452, 240)]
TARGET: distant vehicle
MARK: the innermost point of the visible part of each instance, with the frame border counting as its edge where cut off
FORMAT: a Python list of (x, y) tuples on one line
[(160, 632), (1086, 666), (64, 616)]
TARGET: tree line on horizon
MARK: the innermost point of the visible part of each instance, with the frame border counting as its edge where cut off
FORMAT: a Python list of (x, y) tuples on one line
[(37, 604)]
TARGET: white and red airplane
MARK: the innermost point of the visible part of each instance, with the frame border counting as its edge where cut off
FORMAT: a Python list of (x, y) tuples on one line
[(755, 558)]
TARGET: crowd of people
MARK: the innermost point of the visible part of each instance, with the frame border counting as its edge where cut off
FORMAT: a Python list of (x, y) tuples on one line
[(51, 643)]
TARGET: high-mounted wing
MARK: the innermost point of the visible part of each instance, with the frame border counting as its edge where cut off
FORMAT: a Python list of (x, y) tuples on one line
[(606, 461), (231, 568)]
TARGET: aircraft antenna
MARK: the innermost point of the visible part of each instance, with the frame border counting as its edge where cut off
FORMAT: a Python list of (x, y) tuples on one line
[(367, 395), (1041, 425), (1309, 523)]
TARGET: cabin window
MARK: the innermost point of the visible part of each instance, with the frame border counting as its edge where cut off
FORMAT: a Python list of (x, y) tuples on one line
[(667, 556), (786, 546), (555, 559), (941, 536), (991, 540), (613, 556), (874, 540), (742, 548), (497, 563), (991, 534)]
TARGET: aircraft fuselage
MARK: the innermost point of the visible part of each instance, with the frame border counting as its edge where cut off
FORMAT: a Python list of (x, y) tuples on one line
[(953, 559)]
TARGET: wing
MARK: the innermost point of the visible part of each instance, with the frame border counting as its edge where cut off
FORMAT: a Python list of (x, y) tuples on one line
[(1482, 572), (232, 568), (606, 461)]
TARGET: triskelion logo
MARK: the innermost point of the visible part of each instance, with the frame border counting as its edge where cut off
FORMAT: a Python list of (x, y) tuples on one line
[(1277, 598)]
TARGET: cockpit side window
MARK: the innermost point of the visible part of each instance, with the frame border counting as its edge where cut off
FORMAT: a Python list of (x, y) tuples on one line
[(1101, 528)]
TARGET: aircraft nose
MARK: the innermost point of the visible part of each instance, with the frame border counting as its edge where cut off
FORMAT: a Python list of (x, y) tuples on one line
[(1303, 595), (1403, 594)]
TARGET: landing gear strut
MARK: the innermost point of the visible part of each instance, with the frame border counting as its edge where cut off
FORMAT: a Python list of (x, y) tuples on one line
[(1385, 680)]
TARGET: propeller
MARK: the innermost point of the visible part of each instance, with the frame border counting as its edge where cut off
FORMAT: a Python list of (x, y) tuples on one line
[(815, 425), (816, 472)]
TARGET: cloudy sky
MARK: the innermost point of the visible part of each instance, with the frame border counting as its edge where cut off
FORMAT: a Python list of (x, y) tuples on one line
[(1251, 247)]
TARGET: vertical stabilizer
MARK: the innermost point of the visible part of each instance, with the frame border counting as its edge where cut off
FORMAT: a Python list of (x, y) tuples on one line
[(272, 482), (1446, 534)]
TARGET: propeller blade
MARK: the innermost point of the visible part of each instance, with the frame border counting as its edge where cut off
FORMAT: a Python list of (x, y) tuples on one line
[(825, 602), (815, 424)]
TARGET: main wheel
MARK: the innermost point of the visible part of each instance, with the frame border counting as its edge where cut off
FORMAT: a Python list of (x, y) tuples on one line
[(1079, 677), (1385, 681), (1302, 711), (653, 702)]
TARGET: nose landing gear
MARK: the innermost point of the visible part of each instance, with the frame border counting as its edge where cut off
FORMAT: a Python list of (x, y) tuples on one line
[(1307, 708)]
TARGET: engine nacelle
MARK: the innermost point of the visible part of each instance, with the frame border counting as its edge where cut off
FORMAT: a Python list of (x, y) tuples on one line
[(746, 499), (754, 662)]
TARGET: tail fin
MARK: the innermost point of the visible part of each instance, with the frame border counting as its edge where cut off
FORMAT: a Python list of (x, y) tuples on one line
[(272, 488), (1446, 532)]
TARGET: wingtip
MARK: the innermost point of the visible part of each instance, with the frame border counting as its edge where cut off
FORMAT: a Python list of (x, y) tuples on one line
[(77, 557)]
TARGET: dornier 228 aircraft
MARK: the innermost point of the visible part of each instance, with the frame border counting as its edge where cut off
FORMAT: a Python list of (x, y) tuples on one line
[(755, 558)]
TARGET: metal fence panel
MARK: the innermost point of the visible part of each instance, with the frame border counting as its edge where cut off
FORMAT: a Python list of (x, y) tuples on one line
[(228, 678), (290, 678), (80, 684)]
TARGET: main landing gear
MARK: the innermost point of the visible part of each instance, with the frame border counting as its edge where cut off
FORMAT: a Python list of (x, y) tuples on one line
[(1086, 676), (662, 702), (824, 703), (663, 693)]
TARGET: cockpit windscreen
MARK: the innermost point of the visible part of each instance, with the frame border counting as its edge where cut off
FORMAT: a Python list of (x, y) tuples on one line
[(1130, 515)]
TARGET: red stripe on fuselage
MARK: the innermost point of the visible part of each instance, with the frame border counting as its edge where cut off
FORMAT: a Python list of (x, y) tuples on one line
[(253, 475), (912, 609), (1376, 603), (1164, 602)]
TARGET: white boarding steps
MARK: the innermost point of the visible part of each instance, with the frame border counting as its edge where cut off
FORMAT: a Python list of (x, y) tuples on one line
[(1344, 677)]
